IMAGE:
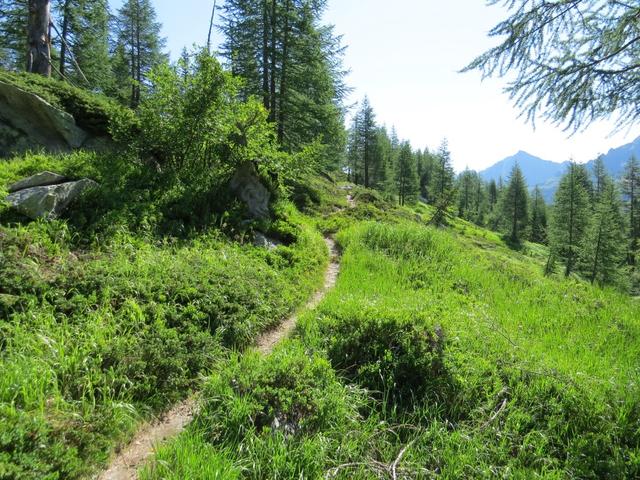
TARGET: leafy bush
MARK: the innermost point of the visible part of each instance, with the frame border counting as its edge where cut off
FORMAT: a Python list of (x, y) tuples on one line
[(193, 125), (289, 392), (400, 359)]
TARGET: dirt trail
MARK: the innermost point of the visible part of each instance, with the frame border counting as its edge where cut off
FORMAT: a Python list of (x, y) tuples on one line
[(267, 341), (127, 462)]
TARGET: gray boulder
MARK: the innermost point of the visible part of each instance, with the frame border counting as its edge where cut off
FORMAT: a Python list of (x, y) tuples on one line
[(48, 201), (262, 241), (247, 186), (38, 180), (28, 120)]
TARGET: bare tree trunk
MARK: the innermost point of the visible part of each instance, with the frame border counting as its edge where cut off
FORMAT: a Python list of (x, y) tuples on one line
[(63, 37), (265, 55), (39, 37), (138, 54), (213, 14), (283, 74), (274, 59)]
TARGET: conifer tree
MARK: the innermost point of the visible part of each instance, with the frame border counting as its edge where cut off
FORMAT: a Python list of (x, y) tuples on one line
[(354, 151), (291, 61), (631, 192), (13, 39), (383, 172), (570, 219), (514, 205), (426, 175), (604, 246), (82, 40), (538, 218), (138, 45), (466, 194), (364, 153), (600, 178), (493, 194), (406, 175), (443, 176), (368, 132), (39, 37), (480, 206)]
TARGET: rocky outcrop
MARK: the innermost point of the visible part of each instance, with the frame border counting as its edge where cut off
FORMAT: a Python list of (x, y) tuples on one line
[(28, 121), (36, 196), (38, 180), (246, 184)]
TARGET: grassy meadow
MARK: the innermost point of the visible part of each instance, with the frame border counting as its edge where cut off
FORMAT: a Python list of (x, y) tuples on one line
[(441, 353), (106, 320)]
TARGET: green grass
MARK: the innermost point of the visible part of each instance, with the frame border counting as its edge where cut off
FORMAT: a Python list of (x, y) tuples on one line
[(104, 322), (440, 353), (473, 365)]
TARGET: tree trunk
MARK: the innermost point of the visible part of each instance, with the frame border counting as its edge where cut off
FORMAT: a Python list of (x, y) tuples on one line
[(596, 259), (634, 226), (274, 59), (514, 228), (65, 33), (39, 37), (138, 81), (213, 15), (569, 267), (366, 155), (265, 55), (283, 74)]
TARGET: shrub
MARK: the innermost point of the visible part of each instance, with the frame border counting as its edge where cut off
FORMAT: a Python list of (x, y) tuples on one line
[(400, 359), (289, 392), (192, 124)]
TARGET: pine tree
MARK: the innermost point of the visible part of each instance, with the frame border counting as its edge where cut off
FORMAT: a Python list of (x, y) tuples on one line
[(428, 162), (294, 63), (406, 175), (443, 176), (368, 131), (383, 172), (493, 194), (480, 206), (354, 151), (138, 38), (604, 246), (600, 178), (514, 205), (83, 42), (13, 38), (570, 219), (538, 218), (466, 194), (631, 192)]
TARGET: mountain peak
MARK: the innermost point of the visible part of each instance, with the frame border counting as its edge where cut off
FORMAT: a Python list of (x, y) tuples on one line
[(546, 173)]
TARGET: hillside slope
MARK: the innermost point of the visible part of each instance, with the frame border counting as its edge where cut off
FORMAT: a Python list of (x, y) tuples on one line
[(441, 353)]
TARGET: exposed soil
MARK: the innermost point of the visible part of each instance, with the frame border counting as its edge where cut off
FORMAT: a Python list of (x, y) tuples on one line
[(268, 340), (127, 462)]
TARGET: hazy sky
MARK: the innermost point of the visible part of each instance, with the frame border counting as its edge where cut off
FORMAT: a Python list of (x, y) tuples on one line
[(405, 56)]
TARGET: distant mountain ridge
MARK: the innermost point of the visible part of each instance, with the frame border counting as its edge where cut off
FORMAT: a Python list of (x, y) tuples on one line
[(546, 174)]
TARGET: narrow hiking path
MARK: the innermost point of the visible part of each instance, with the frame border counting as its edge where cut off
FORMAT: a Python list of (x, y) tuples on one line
[(127, 462)]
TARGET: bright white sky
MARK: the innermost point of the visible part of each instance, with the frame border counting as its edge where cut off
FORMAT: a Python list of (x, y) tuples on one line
[(405, 56)]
